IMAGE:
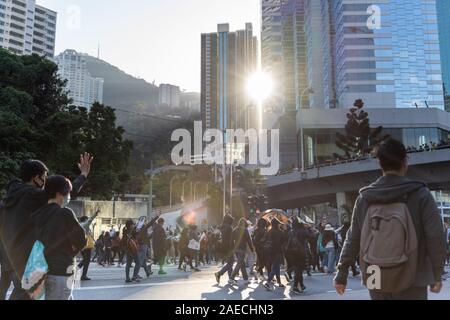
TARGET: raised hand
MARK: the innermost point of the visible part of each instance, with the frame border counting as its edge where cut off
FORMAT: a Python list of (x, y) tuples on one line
[(85, 163)]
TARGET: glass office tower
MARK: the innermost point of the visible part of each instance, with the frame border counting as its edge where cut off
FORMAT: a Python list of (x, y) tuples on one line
[(386, 53), (443, 15)]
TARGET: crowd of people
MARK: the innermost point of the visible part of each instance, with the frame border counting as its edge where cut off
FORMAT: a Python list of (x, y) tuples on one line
[(260, 250), (410, 255), (426, 147)]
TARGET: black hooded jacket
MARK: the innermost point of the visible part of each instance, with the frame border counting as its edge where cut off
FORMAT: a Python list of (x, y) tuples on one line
[(426, 218), (227, 235), (17, 228), (63, 237)]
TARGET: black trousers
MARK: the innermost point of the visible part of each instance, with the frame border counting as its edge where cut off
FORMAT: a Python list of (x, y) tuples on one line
[(86, 254), (416, 293), (6, 278)]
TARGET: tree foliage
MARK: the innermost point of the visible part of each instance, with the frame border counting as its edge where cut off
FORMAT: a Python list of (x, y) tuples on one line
[(359, 139), (38, 121)]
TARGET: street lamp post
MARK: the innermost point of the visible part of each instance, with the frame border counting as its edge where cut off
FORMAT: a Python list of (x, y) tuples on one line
[(150, 200), (302, 151), (195, 189), (183, 196), (171, 185)]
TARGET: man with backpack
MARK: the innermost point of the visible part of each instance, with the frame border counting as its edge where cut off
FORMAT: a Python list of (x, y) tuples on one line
[(397, 232)]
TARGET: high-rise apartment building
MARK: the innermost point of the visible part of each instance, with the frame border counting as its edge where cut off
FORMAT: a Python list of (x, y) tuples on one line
[(169, 95), (443, 15), (27, 28), (83, 89), (228, 58)]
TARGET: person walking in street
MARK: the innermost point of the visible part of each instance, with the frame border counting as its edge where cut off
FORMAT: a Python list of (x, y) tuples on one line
[(194, 239), (24, 197), (330, 243), (85, 223), (143, 239), (296, 247), (131, 250), (226, 247), (273, 245), (395, 220), (115, 247), (242, 241), (258, 242), (99, 249), (57, 228), (159, 245), (107, 242)]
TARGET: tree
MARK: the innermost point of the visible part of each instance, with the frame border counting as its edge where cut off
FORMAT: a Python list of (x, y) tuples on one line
[(38, 121), (359, 139)]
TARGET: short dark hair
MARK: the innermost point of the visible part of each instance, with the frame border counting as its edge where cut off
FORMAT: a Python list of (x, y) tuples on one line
[(32, 168), (160, 221), (57, 184), (391, 153)]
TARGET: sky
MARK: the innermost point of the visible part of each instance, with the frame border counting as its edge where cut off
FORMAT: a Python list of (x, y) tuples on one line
[(157, 40)]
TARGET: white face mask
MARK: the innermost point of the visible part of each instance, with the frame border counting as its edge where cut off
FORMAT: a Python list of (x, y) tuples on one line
[(66, 201)]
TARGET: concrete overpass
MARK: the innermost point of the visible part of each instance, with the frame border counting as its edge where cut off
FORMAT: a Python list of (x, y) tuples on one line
[(342, 182)]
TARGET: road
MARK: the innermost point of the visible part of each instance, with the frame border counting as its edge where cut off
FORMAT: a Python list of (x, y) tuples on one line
[(108, 284)]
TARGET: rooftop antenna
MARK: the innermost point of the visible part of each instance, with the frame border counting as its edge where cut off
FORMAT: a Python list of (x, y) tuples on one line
[(426, 103), (98, 51)]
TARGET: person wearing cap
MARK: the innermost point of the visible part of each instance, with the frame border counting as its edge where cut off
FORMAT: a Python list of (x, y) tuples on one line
[(329, 242), (274, 247)]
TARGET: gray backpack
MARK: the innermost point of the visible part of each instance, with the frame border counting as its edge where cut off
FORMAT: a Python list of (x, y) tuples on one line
[(389, 244)]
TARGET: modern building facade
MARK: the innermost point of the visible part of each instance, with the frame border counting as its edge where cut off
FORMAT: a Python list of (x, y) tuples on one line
[(83, 89), (271, 50), (169, 95), (27, 28), (228, 58), (386, 53), (443, 15), (294, 60), (389, 53)]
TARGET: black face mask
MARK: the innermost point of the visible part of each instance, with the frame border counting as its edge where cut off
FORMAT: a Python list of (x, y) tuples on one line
[(41, 186)]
